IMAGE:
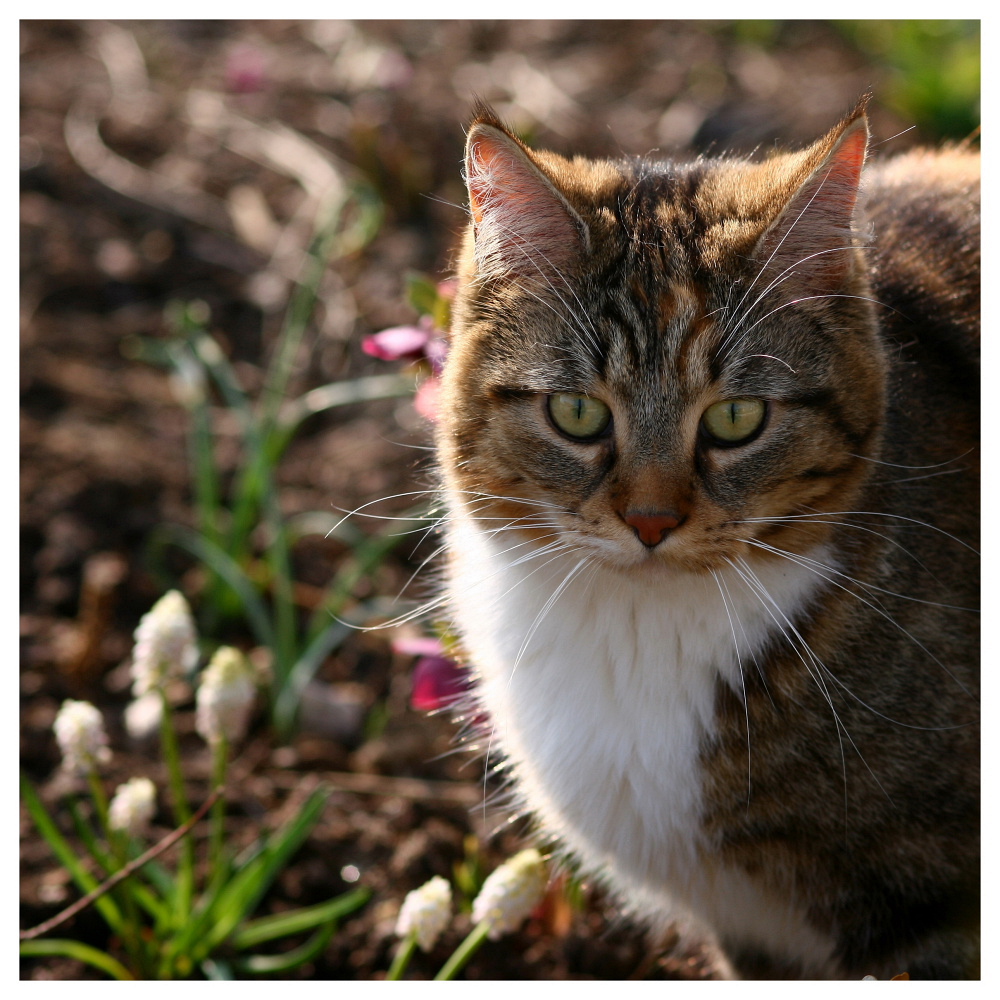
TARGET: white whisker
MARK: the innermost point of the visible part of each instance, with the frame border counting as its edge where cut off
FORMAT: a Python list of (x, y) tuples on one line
[(812, 564)]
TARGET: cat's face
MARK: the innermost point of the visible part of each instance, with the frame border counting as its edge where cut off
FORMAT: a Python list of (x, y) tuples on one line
[(661, 368)]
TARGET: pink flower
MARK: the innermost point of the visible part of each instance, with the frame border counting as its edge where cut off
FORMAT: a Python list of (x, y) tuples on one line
[(424, 645), (398, 343), (447, 288), (246, 70), (438, 681), (421, 343), (425, 402), (435, 351)]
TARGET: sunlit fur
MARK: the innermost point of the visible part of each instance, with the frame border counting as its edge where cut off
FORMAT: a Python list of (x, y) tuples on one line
[(768, 720)]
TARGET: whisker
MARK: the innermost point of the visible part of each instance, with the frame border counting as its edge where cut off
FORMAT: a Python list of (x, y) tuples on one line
[(743, 684), (804, 562), (791, 518), (915, 468), (764, 266), (826, 670), (780, 279), (915, 479), (758, 589), (872, 513)]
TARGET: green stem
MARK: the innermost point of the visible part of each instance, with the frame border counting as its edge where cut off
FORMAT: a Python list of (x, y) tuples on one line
[(182, 813), (220, 757), (464, 951), (283, 600), (100, 800), (403, 955)]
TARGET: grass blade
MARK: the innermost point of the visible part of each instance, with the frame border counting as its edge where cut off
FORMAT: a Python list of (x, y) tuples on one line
[(78, 950), (256, 932), (286, 704), (270, 965), (244, 892), (334, 394), (216, 559), (60, 847)]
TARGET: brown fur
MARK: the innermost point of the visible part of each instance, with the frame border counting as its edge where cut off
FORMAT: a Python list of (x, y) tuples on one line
[(649, 287)]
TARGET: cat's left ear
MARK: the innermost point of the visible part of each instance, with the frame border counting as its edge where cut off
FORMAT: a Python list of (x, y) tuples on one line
[(811, 245)]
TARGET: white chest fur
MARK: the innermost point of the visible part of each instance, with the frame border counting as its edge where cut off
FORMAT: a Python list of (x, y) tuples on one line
[(600, 698)]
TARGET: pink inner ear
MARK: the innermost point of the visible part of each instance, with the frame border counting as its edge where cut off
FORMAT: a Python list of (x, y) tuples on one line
[(840, 189), (522, 224), (814, 232)]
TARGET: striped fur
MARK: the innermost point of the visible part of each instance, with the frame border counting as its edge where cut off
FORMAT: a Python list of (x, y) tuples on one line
[(768, 719)]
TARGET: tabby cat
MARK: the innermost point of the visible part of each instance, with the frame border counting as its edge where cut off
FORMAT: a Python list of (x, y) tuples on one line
[(708, 446)]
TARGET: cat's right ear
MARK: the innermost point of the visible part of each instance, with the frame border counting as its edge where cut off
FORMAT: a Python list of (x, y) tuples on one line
[(811, 245), (523, 225)]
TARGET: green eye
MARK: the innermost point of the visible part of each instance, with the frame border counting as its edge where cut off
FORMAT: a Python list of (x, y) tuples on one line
[(734, 421), (579, 417)]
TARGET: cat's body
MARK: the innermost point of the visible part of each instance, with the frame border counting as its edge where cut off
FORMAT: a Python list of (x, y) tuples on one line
[(711, 520)]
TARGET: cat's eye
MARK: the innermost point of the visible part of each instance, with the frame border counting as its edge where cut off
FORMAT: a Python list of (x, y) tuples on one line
[(734, 421), (580, 417)]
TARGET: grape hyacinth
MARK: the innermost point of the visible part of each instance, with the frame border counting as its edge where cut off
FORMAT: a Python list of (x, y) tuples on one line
[(166, 644), (143, 716), (133, 806), (425, 912), (225, 697), (80, 734), (510, 894)]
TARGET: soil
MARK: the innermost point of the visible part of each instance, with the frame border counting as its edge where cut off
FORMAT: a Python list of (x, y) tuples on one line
[(168, 162)]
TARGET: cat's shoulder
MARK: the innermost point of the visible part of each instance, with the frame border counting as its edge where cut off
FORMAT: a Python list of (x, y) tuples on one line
[(945, 177), (923, 209)]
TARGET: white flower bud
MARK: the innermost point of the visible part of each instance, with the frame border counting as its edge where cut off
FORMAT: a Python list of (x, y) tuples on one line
[(225, 697), (165, 644), (143, 716), (425, 912), (133, 806), (510, 894), (80, 734)]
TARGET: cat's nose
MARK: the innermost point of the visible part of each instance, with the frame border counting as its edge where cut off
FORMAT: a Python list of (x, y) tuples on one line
[(652, 528)]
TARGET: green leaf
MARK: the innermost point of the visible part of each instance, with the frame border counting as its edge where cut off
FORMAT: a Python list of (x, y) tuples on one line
[(215, 558), (245, 891), (204, 914), (158, 876), (86, 833), (256, 932), (208, 351), (47, 828), (364, 217), (78, 950), (345, 393), (269, 965), (421, 293), (286, 704), (134, 886)]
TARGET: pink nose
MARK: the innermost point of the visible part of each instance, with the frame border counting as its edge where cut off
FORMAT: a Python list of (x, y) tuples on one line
[(651, 529)]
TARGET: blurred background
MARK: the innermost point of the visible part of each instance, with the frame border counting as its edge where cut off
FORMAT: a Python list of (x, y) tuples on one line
[(214, 217)]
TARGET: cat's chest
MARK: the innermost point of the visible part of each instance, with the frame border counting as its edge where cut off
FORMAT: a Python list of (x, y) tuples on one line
[(601, 688)]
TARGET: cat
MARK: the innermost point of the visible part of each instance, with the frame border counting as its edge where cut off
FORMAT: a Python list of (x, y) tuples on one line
[(708, 452)]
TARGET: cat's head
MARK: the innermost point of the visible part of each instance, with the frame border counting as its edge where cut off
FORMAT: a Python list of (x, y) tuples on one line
[(656, 362)]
